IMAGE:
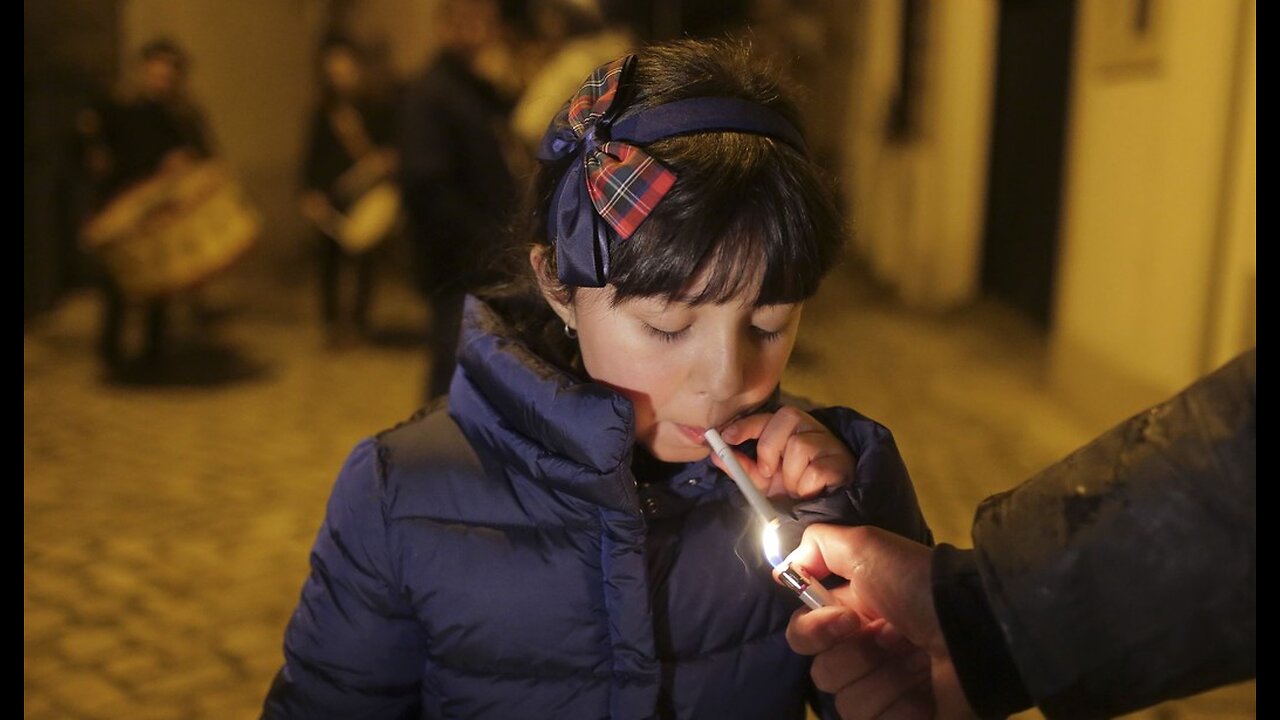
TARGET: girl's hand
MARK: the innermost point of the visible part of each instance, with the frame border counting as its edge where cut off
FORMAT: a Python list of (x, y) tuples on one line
[(795, 454)]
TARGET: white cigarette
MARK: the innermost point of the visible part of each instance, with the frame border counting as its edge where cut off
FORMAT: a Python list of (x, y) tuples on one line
[(739, 475)]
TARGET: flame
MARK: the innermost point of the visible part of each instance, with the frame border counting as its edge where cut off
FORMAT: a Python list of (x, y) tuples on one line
[(771, 543)]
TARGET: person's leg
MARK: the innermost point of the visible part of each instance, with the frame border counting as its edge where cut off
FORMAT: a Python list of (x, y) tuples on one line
[(111, 339), (330, 256), (364, 290), (157, 328)]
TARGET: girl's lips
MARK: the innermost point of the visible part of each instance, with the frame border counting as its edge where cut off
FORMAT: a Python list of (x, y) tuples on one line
[(692, 434)]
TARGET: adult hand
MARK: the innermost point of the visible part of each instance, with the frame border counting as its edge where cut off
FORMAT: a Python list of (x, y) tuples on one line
[(795, 454), (895, 664)]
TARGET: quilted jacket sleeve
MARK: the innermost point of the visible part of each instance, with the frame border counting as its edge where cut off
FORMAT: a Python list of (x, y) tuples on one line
[(881, 493), (1126, 573), (353, 648)]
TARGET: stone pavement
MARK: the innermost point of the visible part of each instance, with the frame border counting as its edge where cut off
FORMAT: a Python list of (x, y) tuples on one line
[(167, 524)]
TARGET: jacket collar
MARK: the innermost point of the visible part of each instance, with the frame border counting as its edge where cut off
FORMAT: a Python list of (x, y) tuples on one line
[(573, 434)]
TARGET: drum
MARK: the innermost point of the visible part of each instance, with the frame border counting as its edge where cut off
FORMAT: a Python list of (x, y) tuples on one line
[(173, 231), (369, 220)]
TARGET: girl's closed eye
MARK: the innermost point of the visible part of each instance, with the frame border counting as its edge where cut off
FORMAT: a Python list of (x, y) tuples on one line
[(771, 322), (667, 335), (766, 335)]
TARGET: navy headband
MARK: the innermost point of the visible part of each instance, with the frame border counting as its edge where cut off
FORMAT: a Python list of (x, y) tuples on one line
[(612, 185)]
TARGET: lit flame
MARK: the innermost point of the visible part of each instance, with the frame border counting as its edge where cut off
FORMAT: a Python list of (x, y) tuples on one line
[(772, 545)]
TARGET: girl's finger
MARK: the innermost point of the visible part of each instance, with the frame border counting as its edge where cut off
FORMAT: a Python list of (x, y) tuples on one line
[(824, 471), (777, 487), (762, 483), (773, 439), (744, 429), (799, 452)]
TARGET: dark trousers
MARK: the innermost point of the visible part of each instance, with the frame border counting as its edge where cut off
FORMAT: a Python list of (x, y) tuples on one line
[(333, 260), (115, 309)]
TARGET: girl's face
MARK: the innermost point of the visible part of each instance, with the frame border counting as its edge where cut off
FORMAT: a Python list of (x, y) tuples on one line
[(684, 367)]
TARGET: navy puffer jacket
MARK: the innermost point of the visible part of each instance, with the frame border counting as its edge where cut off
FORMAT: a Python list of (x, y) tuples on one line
[(502, 561)]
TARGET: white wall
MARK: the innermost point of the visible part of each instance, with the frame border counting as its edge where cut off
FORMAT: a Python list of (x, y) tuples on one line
[(917, 207), (407, 28), (1149, 152), (1233, 316)]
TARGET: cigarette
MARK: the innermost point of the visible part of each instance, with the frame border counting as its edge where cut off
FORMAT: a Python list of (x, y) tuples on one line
[(748, 488), (794, 577)]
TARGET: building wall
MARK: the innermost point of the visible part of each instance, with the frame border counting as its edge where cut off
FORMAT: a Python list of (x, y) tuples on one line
[(917, 203), (68, 62), (406, 29), (1153, 148), (1233, 315)]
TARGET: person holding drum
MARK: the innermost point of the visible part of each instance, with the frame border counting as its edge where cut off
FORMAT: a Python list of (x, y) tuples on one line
[(156, 131), (348, 191), (457, 181)]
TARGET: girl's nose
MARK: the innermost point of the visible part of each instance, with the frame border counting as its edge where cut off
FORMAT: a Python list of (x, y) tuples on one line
[(724, 369)]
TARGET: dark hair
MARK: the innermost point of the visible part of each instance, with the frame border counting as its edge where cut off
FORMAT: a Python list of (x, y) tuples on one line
[(741, 201), (164, 47), (339, 41)]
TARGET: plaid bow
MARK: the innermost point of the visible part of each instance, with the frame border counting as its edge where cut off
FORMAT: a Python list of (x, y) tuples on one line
[(614, 182)]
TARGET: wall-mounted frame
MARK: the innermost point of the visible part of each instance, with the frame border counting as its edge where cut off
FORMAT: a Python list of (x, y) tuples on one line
[(1130, 34)]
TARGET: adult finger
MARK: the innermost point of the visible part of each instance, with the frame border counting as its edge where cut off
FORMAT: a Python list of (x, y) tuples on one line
[(813, 631), (846, 663), (874, 694), (915, 704), (889, 576)]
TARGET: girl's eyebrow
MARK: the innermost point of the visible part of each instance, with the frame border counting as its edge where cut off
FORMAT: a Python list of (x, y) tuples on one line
[(780, 307), (655, 304)]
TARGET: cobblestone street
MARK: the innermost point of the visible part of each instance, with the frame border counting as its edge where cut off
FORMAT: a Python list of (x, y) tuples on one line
[(167, 524)]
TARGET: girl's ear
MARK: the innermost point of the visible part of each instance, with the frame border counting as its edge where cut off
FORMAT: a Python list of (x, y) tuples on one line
[(555, 293)]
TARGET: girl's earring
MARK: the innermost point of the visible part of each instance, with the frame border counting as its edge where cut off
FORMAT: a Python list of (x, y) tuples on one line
[(569, 332)]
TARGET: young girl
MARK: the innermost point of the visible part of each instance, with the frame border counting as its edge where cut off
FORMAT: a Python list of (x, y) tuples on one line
[(556, 542)]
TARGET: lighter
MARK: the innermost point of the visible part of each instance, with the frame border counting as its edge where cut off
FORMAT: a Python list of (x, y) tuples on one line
[(810, 591)]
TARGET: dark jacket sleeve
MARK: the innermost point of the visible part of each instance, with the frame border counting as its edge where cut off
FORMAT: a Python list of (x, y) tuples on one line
[(881, 493), (353, 648), (315, 176), (1124, 575), (442, 196)]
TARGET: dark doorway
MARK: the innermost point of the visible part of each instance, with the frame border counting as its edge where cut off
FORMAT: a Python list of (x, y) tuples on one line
[(69, 59), (1033, 75)]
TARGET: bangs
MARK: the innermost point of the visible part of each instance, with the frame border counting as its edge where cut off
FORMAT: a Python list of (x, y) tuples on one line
[(749, 214)]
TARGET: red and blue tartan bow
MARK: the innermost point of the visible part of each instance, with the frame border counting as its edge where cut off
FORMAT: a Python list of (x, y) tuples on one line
[(612, 185), (618, 180)]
